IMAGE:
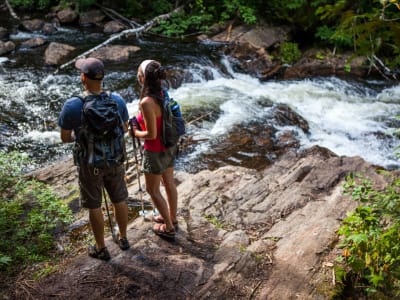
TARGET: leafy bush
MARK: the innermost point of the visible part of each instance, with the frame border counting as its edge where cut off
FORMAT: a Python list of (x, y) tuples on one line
[(371, 248), (289, 53), (30, 212)]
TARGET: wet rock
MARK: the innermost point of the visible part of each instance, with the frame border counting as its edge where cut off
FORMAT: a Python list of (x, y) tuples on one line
[(4, 34), (318, 62), (33, 43), (6, 47), (115, 53), (49, 28), (67, 15), (113, 27), (91, 18), (284, 116), (56, 53), (33, 25)]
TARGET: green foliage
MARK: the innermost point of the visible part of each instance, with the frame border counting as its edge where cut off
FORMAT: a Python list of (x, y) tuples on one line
[(30, 212), (289, 52), (37, 4), (371, 237)]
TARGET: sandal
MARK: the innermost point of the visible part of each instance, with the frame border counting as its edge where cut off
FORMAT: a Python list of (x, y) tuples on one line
[(161, 230), (102, 254), (160, 220)]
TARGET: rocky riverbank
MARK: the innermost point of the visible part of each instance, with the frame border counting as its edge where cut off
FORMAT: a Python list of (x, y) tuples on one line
[(243, 234)]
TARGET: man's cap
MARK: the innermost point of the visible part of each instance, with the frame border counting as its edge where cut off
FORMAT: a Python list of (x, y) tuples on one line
[(92, 67)]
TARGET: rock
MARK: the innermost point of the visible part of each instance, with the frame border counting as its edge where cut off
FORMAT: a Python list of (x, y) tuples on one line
[(33, 43), (113, 27), (115, 53), (91, 17), (6, 47), (318, 62), (242, 234), (4, 34), (67, 15), (285, 116), (49, 28), (33, 25), (56, 53)]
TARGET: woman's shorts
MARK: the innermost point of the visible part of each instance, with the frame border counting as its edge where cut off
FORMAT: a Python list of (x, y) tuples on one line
[(158, 162)]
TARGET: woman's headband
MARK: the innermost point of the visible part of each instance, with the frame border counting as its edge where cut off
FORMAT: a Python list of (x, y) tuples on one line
[(144, 65)]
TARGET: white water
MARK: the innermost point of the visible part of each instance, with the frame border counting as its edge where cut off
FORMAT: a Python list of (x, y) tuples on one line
[(343, 116)]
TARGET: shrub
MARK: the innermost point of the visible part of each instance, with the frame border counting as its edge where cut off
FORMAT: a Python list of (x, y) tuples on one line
[(289, 53), (371, 248), (29, 214)]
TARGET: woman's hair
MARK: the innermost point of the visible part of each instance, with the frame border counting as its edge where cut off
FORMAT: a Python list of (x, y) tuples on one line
[(153, 74)]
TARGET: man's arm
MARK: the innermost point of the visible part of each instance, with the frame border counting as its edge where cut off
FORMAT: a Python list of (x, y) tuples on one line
[(67, 136)]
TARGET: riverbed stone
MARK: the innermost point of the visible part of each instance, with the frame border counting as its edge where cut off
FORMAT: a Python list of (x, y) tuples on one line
[(67, 15), (33, 25), (4, 34), (33, 43), (113, 27), (91, 18), (56, 53), (6, 47), (49, 28), (115, 53)]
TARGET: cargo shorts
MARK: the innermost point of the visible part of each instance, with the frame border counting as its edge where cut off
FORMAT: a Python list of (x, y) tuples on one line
[(92, 180)]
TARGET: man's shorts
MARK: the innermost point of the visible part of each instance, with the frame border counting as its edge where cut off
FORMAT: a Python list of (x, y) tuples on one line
[(158, 162), (91, 182)]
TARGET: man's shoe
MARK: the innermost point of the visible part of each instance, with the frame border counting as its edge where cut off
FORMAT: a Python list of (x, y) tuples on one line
[(102, 254), (123, 243)]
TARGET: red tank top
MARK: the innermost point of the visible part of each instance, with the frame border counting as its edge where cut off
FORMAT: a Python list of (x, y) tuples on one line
[(154, 145)]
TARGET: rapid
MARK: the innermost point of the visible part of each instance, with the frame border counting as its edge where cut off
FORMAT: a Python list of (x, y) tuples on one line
[(350, 117)]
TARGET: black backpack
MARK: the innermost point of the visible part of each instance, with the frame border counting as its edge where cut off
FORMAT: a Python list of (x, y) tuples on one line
[(173, 125), (100, 141)]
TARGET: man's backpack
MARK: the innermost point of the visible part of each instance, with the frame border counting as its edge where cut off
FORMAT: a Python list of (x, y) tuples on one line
[(100, 141), (173, 125)]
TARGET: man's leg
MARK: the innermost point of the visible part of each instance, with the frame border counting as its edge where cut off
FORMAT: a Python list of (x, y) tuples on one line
[(121, 216), (97, 222)]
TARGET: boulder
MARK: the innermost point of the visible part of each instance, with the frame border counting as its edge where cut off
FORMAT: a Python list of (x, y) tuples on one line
[(6, 47), (33, 25), (33, 43), (113, 27), (49, 28), (91, 17), (4, 34), (56, 53), (67, 15), (115, 53)]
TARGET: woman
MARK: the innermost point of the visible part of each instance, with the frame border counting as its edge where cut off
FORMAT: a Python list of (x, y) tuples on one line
[(158, 161)]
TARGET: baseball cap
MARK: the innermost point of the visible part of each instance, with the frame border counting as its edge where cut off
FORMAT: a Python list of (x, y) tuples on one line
[(92, 67)]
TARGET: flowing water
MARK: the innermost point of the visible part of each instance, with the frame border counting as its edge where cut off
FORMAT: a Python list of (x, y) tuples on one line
[(350, 117)]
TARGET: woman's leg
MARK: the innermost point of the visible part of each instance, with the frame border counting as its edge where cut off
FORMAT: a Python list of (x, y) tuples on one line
[(153, 188), (172, 194)]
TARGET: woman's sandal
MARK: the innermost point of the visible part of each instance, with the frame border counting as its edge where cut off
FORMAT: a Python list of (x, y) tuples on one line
[(160, 220), (161, 230)]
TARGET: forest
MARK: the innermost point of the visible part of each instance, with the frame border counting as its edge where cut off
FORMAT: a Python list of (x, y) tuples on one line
[(368, 28)]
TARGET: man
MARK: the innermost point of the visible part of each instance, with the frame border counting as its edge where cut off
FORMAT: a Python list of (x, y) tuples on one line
[(91, 179)]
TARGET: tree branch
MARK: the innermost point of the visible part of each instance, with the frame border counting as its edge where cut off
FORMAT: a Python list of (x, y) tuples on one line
[(10, 9), (127, 32)]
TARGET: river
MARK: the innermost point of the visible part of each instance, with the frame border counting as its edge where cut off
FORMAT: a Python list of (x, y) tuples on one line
[(350, 117)]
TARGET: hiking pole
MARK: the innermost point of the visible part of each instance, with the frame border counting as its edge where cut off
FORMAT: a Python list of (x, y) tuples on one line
[(143, 213), (114, 236)]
